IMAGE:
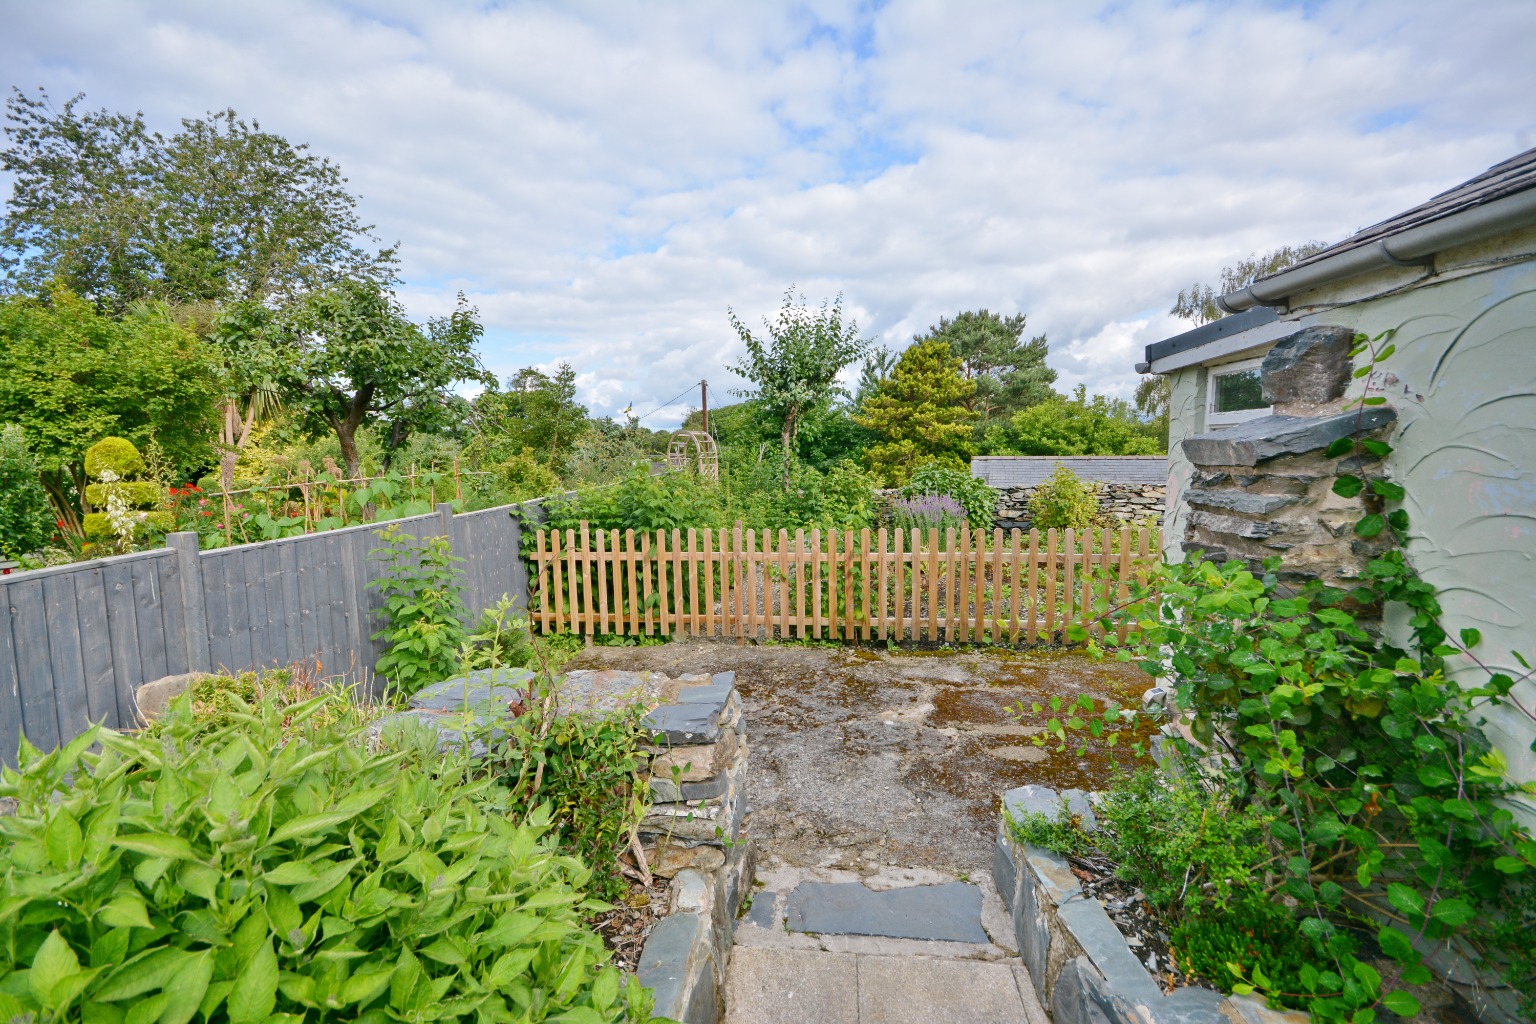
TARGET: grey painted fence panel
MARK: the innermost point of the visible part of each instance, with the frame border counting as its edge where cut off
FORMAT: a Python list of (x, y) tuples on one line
[(76, 641), (34, 665), (123, 626), (61, 603), (10, 690), (96, 646)]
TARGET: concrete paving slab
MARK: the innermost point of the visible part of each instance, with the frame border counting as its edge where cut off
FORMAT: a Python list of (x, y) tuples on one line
[(948, 913), (785, 986), (902, 990)]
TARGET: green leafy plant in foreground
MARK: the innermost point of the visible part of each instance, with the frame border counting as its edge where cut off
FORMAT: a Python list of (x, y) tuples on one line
[(1388, 807), (272, 869), (423, 610)]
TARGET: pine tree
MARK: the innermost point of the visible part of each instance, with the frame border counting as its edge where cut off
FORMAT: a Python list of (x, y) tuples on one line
[(1009, 372), (919, 413)]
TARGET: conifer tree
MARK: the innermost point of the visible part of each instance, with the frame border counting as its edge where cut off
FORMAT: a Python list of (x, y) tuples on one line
[(919, 414)]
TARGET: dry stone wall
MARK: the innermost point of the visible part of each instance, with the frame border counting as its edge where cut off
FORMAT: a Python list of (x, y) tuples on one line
[(1128, 503)]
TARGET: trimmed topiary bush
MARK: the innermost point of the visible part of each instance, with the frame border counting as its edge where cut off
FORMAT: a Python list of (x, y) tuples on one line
[(26, 517), (116, 454)]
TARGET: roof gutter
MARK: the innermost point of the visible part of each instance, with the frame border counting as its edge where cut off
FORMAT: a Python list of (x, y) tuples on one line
[(1411, 248)]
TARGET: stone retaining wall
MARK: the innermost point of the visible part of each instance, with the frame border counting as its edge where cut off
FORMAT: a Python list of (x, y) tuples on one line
[(1129, 503), (1079, 962)]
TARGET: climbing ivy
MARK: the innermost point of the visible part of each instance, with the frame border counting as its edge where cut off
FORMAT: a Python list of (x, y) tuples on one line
[(1390, 808)]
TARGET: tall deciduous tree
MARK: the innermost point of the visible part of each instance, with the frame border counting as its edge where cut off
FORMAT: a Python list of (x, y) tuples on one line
[(1197, 303), (348, 355), (1081, 425), (220, 210), (920, 414), (70, 376), (537, 411), (796, 365), (1010, 373)]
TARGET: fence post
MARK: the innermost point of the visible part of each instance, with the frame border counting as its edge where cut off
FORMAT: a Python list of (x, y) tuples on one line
[(445, 514), (189, 570)]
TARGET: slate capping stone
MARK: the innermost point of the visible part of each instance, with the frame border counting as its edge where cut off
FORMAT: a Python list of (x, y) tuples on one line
[(1269, 437), (946, 913)]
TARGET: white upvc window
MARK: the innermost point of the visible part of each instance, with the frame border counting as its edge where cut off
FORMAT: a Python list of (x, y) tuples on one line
[(1234, 393)]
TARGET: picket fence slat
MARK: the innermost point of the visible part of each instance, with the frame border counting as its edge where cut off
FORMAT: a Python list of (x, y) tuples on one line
[(970, 586)]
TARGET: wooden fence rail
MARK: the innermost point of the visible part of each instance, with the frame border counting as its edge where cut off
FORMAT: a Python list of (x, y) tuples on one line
[(963, 586)]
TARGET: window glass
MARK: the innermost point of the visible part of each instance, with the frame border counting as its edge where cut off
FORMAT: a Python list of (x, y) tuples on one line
[(1239, 391)]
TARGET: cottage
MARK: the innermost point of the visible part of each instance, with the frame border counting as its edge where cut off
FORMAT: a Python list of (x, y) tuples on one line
[(1256, 397)]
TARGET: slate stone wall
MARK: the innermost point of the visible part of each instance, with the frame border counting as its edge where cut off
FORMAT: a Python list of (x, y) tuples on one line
[(1128, 503), (1264, 488)]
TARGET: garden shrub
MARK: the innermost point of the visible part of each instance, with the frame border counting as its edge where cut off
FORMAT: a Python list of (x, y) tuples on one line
[(501, 639), (971, 492), (274, 869), (116, 454), (423, 610), (1388, 805), (1064, 502), (1253, 930), (130, 507), (26, 517)]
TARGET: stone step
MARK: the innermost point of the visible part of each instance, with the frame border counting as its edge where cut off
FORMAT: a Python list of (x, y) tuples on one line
[(945, 913), (793, 986)]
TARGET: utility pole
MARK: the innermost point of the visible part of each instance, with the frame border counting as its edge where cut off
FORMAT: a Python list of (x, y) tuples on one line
[(704, 402)]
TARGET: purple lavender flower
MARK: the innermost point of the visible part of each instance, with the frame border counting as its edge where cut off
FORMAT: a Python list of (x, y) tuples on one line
[(928, 511)]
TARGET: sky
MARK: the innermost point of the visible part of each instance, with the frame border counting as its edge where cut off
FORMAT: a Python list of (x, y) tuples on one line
[(606, 180)]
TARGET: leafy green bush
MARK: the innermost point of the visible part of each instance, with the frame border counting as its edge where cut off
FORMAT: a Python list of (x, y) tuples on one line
[(26, 518), (973, 494), (113, 454), (271, 866), (641, 502), (501, 639), (1063, 502), (423, 611), (1252, 930), (585, 769), (1380, 787)]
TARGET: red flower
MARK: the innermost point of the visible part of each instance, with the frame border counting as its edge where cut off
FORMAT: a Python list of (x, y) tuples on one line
[(59, 523)]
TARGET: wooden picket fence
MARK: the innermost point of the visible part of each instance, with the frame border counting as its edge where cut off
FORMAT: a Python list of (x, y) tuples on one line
[(966, 586)]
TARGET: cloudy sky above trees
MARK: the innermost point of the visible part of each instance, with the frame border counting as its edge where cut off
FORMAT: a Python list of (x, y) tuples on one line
[(604, 180)]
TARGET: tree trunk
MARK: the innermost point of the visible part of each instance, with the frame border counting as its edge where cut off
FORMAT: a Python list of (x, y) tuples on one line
[(791, 416), (354, 411), (346, 433)]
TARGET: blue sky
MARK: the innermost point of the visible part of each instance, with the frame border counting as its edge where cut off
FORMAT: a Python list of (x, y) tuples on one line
[(606, 179)]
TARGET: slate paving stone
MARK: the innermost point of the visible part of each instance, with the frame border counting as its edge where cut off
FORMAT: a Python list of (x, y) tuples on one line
[(763, 913), (946, 913)]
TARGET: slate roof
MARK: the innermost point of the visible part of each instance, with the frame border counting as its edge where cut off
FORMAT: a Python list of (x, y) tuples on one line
[(1030, 470), (1516, 174)]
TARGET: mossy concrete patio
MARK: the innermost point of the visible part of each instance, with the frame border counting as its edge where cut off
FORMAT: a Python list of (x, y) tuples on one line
[(873, 792)]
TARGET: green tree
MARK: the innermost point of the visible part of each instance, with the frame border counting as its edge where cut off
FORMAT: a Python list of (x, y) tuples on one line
[(219, 210), (1010, 373), (1080, 425), (796, 365), (70, 375), (26, 520), (537, 413), (1197, 303), (919, 414), (347, 355)]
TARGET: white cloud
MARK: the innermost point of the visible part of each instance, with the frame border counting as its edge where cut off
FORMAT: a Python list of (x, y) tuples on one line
[(605, 180)]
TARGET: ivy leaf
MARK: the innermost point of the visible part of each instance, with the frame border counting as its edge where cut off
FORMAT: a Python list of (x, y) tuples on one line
[(1340, 446), (1380, 449), (1401, 1003), (1371, 525), (1471, 637), (1405, 898), (1395, 944), (1347, 486), (1388, 490), (1453, 911)]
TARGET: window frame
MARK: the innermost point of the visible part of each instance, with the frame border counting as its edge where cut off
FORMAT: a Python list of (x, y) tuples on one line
[(1227, 419)]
